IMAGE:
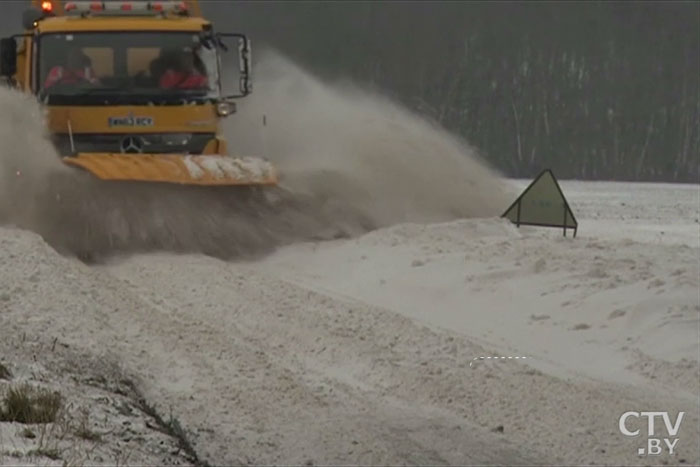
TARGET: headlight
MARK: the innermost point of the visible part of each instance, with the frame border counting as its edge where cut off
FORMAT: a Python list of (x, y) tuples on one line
[(224, 109)]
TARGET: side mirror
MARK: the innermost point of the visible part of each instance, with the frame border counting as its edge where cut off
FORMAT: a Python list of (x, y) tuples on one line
[(29, 17), (8, 56), (244, 61)]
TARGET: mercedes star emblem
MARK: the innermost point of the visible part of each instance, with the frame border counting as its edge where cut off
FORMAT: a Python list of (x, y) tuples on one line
[(132, 144)]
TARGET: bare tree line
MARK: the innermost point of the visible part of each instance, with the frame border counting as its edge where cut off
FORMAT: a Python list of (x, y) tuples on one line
[(593, 90)]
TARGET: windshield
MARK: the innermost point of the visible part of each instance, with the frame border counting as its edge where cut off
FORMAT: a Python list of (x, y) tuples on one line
[(127, 67)]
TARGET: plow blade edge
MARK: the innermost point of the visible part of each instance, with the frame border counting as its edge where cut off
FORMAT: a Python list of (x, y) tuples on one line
[(177, 168)]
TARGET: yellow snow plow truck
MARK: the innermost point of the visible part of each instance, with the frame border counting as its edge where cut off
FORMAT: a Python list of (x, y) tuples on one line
[(134, 89)]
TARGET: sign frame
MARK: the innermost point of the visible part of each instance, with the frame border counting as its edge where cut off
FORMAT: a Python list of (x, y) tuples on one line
[(567, 214)]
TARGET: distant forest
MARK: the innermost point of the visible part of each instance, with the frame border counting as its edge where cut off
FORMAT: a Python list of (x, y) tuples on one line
[(593, 90)]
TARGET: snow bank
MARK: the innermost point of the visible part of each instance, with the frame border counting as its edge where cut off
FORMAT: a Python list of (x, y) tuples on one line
[(56, 333), (593, 305), (260, 361)]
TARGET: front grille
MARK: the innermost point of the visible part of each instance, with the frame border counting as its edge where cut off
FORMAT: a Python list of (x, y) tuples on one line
[(184, 143)]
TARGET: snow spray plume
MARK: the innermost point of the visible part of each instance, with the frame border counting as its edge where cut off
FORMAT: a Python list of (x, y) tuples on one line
[(359, 150), (27, 158), (350, 161), (79, 214)]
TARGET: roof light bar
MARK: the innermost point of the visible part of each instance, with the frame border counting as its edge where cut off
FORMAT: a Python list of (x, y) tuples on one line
[(92, 6), (125, 6), (46, 6)]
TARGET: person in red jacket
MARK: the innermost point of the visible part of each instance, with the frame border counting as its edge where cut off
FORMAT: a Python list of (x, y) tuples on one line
[(183, 74), (77, 70)]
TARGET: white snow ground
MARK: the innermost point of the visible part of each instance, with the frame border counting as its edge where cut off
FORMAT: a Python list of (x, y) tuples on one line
[(362, 351), (628, 283)]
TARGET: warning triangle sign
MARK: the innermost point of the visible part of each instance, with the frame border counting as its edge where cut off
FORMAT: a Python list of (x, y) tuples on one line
[(542, 204)]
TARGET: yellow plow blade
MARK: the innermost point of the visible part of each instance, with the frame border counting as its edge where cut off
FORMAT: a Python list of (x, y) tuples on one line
[(177, 168)]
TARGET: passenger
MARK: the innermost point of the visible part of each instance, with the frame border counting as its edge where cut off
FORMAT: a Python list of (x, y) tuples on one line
[(182, 74), (78, 69)]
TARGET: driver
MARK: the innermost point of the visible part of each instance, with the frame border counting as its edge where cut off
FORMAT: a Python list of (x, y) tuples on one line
[(182, 73), (78, 69)]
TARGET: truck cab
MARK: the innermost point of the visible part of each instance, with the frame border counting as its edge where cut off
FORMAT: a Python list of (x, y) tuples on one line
[(125, 78)]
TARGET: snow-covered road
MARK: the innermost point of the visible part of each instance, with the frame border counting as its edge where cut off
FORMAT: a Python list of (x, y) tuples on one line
[(626, 286), (358, 351)]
